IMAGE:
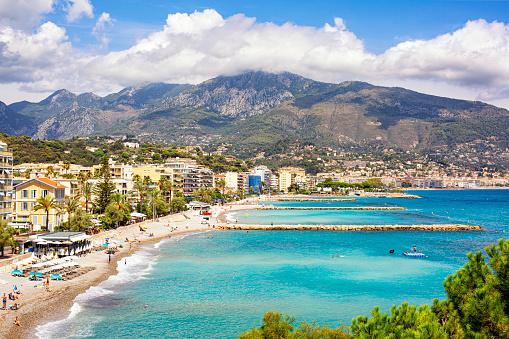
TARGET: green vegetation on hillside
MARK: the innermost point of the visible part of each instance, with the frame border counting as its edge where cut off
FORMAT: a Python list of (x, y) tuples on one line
[(28, 150)]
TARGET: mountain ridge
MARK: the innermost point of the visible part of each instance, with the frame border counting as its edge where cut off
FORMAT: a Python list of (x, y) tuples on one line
[(257, 108)]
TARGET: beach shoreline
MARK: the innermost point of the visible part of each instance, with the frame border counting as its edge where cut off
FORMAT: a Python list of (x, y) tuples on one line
[(39, 307)]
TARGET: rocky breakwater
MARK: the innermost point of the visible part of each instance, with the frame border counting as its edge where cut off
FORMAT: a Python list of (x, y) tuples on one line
[(432, 227), (334, 208), (397, 195), (313, 199)]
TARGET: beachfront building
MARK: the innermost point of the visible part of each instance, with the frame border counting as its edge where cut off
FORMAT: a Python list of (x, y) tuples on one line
[(26, 195), (236, 181), (61, 243), (265, 174), (254, 182), (290, 175), (187, 177), (5, 182)]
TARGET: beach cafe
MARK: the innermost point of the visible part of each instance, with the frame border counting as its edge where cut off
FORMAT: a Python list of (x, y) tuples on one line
[(61, 243)]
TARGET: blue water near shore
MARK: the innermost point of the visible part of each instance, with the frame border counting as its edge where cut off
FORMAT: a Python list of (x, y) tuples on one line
[(218, 284)]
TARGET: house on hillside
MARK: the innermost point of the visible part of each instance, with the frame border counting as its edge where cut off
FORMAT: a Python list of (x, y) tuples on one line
[(26, 195)]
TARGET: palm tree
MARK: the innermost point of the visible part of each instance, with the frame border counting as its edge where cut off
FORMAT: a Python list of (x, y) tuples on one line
[(141, 189), (222, 184), (66, 166), (50, 172), (163, 186), (195, 194), (46, 203), (118, 200), (153, 195), (27, 173), (70, 205), (86, 192)]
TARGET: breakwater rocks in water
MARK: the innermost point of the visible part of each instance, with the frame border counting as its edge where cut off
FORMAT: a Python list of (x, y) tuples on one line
[(334, 208), (313, 199), (433, 227)]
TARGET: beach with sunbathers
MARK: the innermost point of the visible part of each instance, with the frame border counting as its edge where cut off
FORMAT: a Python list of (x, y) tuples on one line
[(45, 299)]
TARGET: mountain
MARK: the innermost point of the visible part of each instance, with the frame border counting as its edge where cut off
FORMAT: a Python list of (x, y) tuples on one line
[(257, 108), (13, 123), (64, 115)]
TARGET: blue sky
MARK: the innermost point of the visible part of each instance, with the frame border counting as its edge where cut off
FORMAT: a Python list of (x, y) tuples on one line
[(449, 48), (381, 24)]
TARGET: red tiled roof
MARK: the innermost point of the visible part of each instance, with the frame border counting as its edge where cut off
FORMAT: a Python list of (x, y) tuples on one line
[(50, 182)]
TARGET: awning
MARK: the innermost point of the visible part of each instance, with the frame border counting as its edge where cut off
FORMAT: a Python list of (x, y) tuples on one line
[(138, 215)]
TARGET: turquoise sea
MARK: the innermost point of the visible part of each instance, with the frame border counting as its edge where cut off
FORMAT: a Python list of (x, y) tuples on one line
[(218, 284)]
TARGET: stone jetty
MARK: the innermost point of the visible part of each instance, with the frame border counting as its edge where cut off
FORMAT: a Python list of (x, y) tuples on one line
[(312, 199), (433, 227), (333, 208)]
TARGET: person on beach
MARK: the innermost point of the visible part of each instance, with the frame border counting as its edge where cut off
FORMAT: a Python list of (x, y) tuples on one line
[(109, 258), (125, 262), (4, 300), (16, 321)]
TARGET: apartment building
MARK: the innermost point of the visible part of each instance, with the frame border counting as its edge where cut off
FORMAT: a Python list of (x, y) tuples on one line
[(290, 175), (26, 195), (187, 178), (5, 182), (236, 181)]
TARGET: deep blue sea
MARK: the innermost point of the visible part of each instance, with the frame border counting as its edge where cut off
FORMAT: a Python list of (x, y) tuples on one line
[(219, 284)]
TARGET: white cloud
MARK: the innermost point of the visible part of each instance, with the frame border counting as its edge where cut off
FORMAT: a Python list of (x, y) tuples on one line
[(475, 55), (24, 14), (468, 63), (103, 24), (31, 57), (78, 8)]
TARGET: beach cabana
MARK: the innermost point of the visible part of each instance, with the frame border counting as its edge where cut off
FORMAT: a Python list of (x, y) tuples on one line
[(61, 243), (17, 272)]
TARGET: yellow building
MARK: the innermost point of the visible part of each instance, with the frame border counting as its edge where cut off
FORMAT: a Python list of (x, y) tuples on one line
[(26, 198), (5, 182), (288, 176)]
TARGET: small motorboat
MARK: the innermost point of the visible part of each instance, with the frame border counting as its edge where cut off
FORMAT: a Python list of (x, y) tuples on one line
[(417, 255)]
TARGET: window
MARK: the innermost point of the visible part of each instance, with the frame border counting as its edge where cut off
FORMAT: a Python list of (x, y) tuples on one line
[(24, 206), (44, 193), (24, 194), (33, 194), (59, 194), (34, 219), (24, 218), (32, 205)]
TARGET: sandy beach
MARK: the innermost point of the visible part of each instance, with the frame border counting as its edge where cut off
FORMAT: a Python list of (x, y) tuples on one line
[(39, 307)]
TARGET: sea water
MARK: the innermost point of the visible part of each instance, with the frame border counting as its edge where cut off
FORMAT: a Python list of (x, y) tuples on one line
[(219, 284)]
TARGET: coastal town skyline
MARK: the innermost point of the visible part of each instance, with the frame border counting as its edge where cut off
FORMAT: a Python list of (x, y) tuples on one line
[(100, 47)]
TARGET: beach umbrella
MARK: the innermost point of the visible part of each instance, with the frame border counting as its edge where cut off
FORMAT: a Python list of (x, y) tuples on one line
[(16, 272), (55, 276), (67, 242)]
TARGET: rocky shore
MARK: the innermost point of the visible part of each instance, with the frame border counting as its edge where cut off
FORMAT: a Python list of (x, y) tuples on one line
[(433, 227)]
